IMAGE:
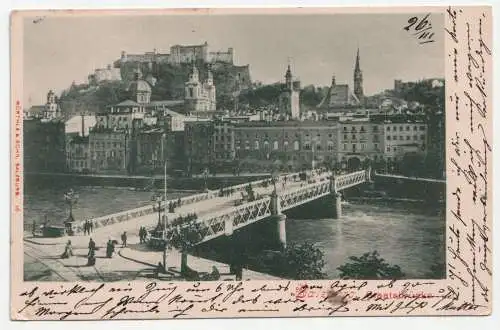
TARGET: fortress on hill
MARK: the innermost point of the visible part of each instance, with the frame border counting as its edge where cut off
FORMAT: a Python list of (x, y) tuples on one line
[(180, 54)]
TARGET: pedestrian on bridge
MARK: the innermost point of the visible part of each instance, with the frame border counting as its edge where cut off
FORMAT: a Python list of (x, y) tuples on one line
[(124, 239), (92, 247)]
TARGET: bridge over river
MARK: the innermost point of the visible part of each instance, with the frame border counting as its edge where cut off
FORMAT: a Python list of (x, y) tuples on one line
[(221, 215)]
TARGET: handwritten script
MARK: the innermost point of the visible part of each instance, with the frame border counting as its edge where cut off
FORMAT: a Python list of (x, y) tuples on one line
[(469, 113)]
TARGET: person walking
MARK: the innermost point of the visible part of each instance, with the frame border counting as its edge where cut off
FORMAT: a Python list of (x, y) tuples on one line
[(91, 226), (124, 239), (91, 246)]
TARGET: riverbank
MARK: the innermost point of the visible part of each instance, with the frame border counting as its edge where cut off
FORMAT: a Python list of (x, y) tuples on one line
[(140, 182)]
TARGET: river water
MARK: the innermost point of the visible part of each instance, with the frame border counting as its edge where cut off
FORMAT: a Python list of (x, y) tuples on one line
[(408, 234)]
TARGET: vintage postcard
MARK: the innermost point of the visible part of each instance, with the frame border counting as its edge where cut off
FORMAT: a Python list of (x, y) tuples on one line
[(222, 163)]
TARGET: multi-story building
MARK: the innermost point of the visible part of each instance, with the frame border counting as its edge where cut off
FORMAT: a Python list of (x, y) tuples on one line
[(199, 149), (360, 140), (78, 154), (404, 136), (44, 145), (112, 150), (287, 145)]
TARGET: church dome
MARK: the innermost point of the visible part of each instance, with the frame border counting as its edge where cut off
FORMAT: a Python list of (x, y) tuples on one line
[(140, 86)]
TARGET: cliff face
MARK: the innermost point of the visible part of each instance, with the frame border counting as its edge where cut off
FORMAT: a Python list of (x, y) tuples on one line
[(170, 80)]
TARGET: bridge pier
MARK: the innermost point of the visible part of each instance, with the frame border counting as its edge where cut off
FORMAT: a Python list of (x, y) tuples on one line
[(281, 229), (280, 219), (336, 205)]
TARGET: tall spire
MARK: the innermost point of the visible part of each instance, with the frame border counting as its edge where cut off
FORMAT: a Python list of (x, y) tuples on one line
[(288, 75), (358, 79), (356, 68)]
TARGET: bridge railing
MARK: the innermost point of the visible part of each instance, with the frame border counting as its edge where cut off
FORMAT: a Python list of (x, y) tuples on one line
[(118, 217)]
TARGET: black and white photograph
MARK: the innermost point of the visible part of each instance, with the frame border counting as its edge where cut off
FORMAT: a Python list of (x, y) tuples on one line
[(234, 147)]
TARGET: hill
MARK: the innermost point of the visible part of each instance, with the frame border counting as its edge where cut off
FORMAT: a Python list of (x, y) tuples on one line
[(169, 85)]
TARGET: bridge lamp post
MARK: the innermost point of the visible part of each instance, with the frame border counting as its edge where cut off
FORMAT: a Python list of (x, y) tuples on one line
[(71, 199), (205, 177), (158, 198)]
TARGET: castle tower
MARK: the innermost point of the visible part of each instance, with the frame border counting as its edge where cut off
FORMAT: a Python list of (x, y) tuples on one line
[(358, 80)]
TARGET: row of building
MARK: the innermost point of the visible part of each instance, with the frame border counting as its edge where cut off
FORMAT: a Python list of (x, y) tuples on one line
[(192, 144), (143, 136)]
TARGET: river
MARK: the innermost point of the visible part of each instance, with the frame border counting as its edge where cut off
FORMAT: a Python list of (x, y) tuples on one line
[(404, 233)]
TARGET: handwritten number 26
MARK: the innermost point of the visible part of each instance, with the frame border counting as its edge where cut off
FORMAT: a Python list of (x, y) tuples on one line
[(411, 22), (422, 24)]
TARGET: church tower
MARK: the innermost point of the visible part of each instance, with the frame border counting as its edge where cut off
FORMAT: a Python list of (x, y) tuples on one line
[(289, 100), (358, 80), (52, 106)]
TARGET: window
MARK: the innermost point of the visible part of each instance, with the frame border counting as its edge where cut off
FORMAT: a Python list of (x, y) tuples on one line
[(407, 128), (414, 128), (388, 137), (401, 138), (266, 145), (275, 145), (330, 135), (375, 138), (422, 137), (318, 147), (345, 128), (296, 145), (285, 144), (330, 146), (363, 146), (247, 145), (354, 136), (394, 137), (400, 128), (353, 147), (345, 146), (415, 137), (345, 137), (388, 128), (375, 145), (407, 138), (362, 129), (422, 128), (375, 128), (307, 146)]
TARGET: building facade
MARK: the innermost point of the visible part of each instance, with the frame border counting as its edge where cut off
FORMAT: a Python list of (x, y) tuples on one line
[(360, 140), (44, 145), (199, 148), (78, 154), (199, 96), (404, 137)]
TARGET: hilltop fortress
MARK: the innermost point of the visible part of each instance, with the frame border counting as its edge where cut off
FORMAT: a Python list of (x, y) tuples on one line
[(180, 54)]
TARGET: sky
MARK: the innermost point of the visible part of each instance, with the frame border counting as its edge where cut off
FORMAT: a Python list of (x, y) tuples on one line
[(60, 50)]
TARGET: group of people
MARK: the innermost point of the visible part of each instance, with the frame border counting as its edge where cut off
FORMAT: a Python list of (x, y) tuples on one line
[(143, 234), (88, 227)]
